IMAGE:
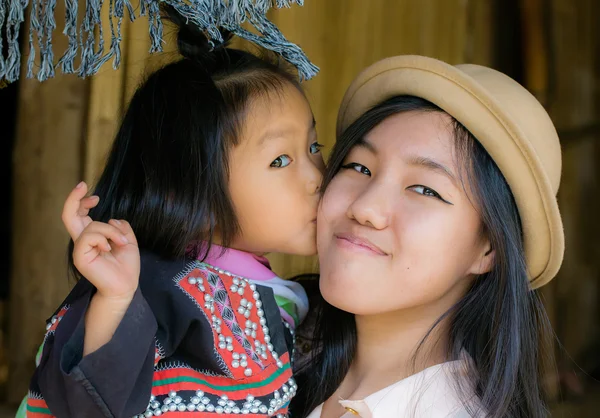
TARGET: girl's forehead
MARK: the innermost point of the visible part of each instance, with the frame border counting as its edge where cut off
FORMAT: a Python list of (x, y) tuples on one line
[(278, 115)]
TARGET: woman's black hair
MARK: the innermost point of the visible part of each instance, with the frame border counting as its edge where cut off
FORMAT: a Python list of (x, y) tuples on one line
[(500, 323), (167, 172)]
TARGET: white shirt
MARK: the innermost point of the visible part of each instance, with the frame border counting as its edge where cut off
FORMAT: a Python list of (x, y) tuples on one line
[(427, 394)]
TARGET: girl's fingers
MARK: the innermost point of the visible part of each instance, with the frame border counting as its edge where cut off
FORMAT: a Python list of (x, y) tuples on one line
[(125, 229), (86, 204), (70, 208), (88, 246), (72, 203), (109, 231)]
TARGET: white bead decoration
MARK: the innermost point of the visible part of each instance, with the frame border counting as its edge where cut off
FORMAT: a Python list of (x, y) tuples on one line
[(260, 345)]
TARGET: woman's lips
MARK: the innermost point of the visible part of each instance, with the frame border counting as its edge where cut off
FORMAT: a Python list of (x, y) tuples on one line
[(356, 242)]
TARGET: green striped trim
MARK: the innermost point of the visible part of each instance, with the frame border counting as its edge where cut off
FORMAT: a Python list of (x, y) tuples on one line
[(38, 410), (289, 306), (189, 379), (38, 356), (22, 411)]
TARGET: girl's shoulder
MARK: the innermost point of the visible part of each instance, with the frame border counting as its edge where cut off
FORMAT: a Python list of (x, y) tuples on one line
[(217, 332)]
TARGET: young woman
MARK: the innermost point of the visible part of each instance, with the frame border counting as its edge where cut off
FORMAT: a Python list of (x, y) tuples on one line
[(437, 221)]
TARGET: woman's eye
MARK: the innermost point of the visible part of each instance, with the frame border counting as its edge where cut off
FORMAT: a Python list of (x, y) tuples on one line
[(426, 191), (315, 147), (281, 161), (357, 167)]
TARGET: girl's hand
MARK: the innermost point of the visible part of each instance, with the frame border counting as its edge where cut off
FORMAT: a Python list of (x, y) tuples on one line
[(107, 255), (104, 253)]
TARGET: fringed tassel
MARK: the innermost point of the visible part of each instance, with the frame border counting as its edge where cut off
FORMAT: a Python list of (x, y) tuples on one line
[(208, 15), (42, 23), (118, 12), (283, 3), (67, 61), (156, 26), (203, 14), (87, 37), (3, 4), (34, 27), (115, 40), (274, 40), (98, 56), (16, 16), (46, 53), (263, 6), (271, 38)]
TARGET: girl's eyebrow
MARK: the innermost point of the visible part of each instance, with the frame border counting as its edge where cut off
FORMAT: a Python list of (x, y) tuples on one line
[(274, 134), (279, 133)]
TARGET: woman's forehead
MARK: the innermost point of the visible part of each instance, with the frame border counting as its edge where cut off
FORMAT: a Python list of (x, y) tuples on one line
[(414, 136)]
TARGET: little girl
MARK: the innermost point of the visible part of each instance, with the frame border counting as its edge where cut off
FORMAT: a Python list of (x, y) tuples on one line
[(215, 164)]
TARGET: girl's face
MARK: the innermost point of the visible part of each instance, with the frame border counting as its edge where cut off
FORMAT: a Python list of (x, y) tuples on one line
[(275, 174), (397, 230)]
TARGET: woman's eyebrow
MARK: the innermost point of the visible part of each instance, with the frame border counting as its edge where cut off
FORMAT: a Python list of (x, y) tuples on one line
[(433, 165), (364, 143)]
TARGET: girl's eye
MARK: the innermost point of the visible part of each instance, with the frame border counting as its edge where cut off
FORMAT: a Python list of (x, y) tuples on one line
[(426, 191), (281, 161), (357, 167), (315, 147)]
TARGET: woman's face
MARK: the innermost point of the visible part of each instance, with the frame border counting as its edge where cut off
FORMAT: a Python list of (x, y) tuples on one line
[(396, 228)]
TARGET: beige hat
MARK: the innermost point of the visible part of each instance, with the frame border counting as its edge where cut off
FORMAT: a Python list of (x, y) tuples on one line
[(507, 120)]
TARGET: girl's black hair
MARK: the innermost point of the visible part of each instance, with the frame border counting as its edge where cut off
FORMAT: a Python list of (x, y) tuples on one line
[(500, 322), (167, 172)]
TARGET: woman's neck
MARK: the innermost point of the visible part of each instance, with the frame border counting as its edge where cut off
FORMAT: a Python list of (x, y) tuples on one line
[(388, 344), (392, 346)]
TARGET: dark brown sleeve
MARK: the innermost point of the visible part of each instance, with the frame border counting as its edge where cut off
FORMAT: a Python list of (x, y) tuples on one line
[(115, 380)]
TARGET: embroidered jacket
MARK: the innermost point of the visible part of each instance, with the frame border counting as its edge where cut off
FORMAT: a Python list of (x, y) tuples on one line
[(195, 341)]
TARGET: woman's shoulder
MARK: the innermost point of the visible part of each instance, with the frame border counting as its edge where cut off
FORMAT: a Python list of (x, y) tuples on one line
[(435, 392), (442, 390)]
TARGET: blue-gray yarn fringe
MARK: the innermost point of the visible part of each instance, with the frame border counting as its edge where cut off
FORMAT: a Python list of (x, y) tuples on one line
[(209, 15)]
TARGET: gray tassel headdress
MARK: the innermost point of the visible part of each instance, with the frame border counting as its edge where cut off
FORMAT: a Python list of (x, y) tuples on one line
[(208, 15)]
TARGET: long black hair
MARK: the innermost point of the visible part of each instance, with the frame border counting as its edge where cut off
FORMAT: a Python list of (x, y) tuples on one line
[(167, 172), (500, 322)]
